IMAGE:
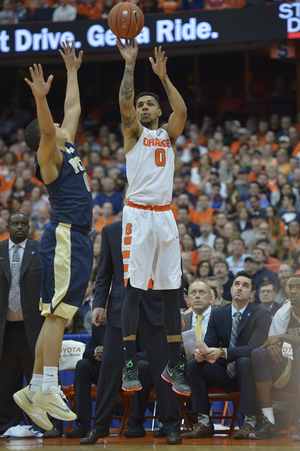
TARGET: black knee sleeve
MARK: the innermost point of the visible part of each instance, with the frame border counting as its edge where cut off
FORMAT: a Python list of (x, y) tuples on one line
[(171, 311), (130, 310)]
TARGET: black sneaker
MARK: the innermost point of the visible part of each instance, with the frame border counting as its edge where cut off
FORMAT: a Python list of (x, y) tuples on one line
[(177, 377), (130, 377), (265, 431)]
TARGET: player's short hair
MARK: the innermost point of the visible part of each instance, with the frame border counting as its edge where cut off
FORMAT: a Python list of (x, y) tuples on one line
[(146, 93), (32, 135)]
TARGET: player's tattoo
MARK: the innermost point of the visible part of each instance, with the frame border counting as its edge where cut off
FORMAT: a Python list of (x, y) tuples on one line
[(127, 121), (165, 85), (127, 88)]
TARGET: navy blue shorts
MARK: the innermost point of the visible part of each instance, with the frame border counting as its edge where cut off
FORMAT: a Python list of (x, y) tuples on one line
[(66, 257)]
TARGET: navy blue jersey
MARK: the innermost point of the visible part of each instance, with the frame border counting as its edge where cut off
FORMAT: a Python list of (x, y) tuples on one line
[(70, 195)]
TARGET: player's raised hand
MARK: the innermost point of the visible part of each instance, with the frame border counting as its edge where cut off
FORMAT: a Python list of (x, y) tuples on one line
[(159, 66), (69, 56), (129, 50), (39, 86)]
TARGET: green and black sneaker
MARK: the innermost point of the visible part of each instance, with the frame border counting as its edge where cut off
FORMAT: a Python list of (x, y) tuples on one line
[(177, 377), (130, 377)]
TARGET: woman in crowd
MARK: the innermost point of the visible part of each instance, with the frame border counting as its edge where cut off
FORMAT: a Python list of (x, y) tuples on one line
[(243, 221), (204, 270), (189, 246), (220, 245), (284, 252), (274, 221)]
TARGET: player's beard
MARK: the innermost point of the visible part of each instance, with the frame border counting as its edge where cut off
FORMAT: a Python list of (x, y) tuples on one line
[(146, 122)]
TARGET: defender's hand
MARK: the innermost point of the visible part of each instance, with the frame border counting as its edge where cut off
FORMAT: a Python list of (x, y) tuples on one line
[(69, 56), (39, 87)]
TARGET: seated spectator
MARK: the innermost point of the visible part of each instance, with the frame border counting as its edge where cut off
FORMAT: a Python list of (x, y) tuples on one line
[(43, 11), (187, 5), (274, 221), (271, 263), (106, 217), (184, 201), (268, 156), (236, 260), (22, 12), (207, 236), (18, 191), (189, 246), (282, 160), (241, 182), (272, 369), (284, 274), (231, 368), (205, 215), (178, 188), (226, 169), (221, 270), (89, 9), (293, 232), (204, 252), (230, 232), (43, 218), (220, 245), (199, 297), (254, 190), (267, 295), (221, 219), (262, 180), (283, 250), (216, 283), (289, 212), (242, 138), (262, 274), (109, 194), (64, 12), (186, 260), (243, 220), (7, 14), (149, 6), (183, 216), (204, 270)]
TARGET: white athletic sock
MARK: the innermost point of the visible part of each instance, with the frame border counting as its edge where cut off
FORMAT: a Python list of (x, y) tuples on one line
[(250, 419), (36, 382), (203, 419), (269, 413), (50, 378)]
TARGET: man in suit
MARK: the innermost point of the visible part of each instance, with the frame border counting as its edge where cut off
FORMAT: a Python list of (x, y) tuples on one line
[(20, 318), (199, 297), (240, 327), (216, 282), (152, 333)]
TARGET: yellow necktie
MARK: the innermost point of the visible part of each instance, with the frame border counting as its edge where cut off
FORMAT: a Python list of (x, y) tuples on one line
[(198, 327)]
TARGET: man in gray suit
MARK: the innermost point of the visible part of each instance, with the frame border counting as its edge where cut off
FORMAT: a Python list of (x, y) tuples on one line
[(20, 319), (199, 297)]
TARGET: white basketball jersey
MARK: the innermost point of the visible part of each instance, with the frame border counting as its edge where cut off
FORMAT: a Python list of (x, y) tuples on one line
[(150, 168)]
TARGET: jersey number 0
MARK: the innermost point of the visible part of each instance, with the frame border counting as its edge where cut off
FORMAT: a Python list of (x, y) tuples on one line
[(160, 156)]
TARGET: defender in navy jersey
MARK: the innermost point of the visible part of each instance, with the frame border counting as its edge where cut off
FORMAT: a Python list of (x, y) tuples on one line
[(66, 251)]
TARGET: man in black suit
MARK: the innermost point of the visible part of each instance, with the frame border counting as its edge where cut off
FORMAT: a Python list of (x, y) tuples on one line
[(152, 333), (20, 318), (240, 327)]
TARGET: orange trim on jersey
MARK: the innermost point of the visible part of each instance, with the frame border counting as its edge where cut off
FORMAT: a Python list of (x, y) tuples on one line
[(126, 254), (125, 282), (126, 268), (127, 240), (150, 284), (149, 207)]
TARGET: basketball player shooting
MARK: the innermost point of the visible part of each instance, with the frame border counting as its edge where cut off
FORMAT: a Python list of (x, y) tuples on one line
[(150, 243)]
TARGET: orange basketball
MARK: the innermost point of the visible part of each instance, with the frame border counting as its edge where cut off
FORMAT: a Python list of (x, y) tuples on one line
[(126, 20)]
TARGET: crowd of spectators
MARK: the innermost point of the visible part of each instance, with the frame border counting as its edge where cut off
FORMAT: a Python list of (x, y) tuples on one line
[(236, 194), (68, 10)]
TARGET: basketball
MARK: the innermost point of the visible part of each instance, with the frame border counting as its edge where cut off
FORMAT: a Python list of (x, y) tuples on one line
[(126, 20)]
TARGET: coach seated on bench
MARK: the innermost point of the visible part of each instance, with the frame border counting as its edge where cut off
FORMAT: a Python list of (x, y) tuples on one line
[(241, 327)]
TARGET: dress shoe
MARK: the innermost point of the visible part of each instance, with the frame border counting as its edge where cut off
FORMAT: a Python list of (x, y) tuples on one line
[(93, 436), (54, 433), (79, 432), (135, 431), (174, 438), (244, 432), (159, 433), (200, 430)]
